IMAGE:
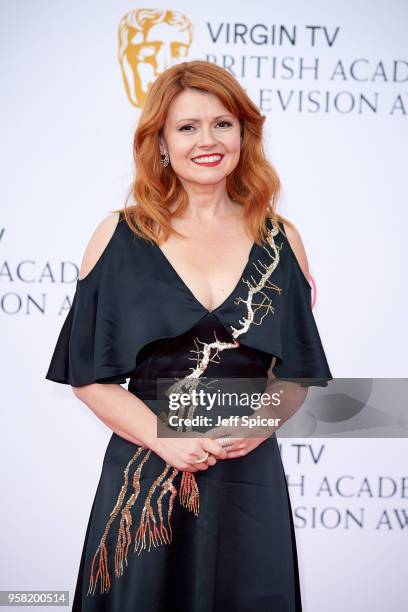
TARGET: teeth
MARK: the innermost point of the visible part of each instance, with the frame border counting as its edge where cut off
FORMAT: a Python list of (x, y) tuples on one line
[(210, 158)]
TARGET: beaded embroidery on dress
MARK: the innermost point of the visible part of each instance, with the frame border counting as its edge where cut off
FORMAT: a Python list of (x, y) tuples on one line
[(257, 304), (150, 521)]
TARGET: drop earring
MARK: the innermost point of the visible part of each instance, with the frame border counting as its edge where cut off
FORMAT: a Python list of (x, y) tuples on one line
[(164, 159)]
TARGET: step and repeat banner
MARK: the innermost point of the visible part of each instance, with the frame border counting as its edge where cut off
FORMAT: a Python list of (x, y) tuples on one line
[(331, 80)]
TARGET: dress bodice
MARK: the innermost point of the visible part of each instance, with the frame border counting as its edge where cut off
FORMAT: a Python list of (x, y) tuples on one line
[(205, 357), (133, 303)]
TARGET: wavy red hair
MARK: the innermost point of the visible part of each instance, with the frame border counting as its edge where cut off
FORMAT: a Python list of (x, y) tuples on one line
[(254, 183)]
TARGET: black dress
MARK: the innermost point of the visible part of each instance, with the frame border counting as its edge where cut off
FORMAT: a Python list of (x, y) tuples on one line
[(159, 539)]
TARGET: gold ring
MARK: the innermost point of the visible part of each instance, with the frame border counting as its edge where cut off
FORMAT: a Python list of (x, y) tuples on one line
[(204, 458)]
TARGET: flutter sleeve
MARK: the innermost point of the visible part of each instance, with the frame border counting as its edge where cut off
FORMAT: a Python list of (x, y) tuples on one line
[(90, 345), (303, 357)]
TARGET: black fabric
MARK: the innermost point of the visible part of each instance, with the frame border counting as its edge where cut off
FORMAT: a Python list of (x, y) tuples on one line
[(303, 358), (238, 553), (133, 297), (147, 548)]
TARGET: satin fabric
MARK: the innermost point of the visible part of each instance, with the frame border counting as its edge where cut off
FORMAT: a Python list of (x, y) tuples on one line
[(239, 553), (132, 297), (134, 318)]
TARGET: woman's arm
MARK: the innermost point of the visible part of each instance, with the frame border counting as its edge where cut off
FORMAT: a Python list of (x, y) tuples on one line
[(123, 412), (291, 395), (112, 404), (296, 243)]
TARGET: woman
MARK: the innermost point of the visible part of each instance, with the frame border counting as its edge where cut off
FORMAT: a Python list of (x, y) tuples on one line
[(198, 280)]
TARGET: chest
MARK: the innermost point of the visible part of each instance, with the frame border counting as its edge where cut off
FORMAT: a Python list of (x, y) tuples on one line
[(210, 265)]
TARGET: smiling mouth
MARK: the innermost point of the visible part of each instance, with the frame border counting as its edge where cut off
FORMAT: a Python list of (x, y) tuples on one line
[(208, 160)]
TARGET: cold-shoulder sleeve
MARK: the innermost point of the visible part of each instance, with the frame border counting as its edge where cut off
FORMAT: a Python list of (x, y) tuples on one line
[(123, 304), (303, 358), (88, 345)]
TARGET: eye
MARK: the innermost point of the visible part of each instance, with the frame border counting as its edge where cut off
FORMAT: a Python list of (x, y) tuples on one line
[(189, 125)]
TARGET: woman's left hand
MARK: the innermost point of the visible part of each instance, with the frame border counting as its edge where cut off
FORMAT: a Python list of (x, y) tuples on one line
[(239, 443)]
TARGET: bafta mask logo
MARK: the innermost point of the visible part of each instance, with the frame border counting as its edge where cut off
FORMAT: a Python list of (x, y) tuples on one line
[(149, 42)]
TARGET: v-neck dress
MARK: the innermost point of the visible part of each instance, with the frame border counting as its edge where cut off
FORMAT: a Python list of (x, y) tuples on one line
[(160, 539)]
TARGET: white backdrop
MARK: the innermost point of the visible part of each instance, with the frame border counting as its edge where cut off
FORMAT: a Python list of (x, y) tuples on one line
[(67, 126)]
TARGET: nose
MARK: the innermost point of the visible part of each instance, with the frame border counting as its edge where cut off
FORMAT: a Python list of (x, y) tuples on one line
[(206, 137)]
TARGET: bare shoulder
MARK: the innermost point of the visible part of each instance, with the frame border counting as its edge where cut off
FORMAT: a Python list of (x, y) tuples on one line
[(297, 246), (98, 243)]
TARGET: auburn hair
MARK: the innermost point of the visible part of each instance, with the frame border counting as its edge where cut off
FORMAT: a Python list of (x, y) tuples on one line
[(254, 183)]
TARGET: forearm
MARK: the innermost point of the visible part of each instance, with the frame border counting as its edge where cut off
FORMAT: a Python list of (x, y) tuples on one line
[(285, 399), (121, 411)]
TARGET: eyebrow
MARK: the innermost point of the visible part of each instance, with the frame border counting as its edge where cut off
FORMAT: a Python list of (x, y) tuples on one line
[(192, 119)]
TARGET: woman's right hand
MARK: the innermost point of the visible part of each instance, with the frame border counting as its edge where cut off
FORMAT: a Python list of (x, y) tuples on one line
[(181, 453)]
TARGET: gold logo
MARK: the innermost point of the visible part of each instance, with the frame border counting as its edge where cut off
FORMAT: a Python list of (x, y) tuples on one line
[(149, 42)]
